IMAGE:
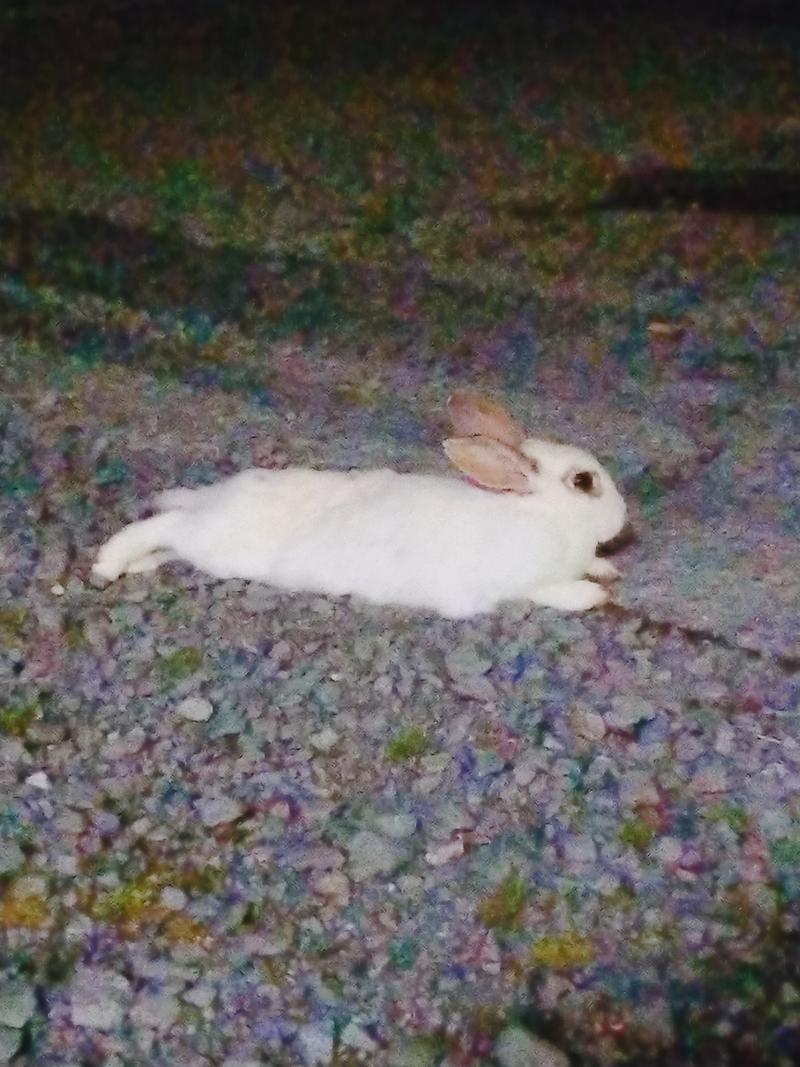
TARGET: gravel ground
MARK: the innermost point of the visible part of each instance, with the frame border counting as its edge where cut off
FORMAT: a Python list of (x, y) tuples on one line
[(239, 828), (244, 827)]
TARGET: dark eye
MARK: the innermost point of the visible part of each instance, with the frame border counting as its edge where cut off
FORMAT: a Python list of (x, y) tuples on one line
[(584, 480)]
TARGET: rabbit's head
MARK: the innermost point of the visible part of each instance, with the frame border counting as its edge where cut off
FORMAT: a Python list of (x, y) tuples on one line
[(493, 451)]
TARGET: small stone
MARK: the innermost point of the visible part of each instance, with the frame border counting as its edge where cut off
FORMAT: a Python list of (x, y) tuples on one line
[(413, 1052), (155, 1011), (324, 740), (10, 1041), (515, 1047), (355, 1037), (487, 763), (316, 1044), (668, 850), (102, 1015), (281, 651), (466, 661), (637, 789), (397, 826), (332, 884), (580, 849), (626, 712), (17, 1003), (173, 898), (442, 854), (435, 763), (467, 668), (38, 780), (228, 722), (723, 744), (587, 724), (11, 857), (370, 854), (709, 781), (195, 709), (67, 865), (277, 944), (201, 996), (526, 769), (215, 811)]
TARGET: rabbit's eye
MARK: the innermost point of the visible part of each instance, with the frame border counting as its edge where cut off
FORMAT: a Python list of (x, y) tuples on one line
[(585, 481)]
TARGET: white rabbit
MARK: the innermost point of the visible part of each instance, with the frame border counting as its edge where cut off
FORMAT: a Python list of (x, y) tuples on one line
[(527, 529)]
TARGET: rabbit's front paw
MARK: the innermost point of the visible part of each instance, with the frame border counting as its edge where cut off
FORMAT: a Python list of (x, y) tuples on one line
[(602, 570), (571, 596)]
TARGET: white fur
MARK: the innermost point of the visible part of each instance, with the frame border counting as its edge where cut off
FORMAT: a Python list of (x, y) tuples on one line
[(419, 540)]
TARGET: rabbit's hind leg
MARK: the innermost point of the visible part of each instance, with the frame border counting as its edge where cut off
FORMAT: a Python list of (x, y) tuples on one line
[(571, 596), (150, 562), (137, 542)]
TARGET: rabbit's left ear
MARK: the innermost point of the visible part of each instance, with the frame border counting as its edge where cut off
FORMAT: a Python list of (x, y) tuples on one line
[(472, 414), (491, 464)]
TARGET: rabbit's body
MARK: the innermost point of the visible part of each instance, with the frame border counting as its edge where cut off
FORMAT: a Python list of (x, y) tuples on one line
[(417, 540)]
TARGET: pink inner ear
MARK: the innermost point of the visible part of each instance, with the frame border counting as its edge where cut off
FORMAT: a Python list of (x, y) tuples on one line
[(474, 415), (490, 464)]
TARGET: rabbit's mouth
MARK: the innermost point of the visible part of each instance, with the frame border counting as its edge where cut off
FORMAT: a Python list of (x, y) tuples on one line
[(626, 537)]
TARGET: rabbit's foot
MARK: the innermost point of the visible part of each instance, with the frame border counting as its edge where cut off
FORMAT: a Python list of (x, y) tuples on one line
[(110, 562), (150, 562), (571, 596), (602, 570), (134, 543)]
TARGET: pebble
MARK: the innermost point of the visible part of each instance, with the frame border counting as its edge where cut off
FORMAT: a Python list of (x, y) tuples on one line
[(228, 722), (155, 1011), (397, 826), (173, 898), (96, 1010), (442, 854), (10, 1041), (627, 712), (324, 740), (515, 1047), (195, 709), (371, 854), (333, 884), (17, 1003), (38, 780), (526, 769), (466, 661), (413, 1053), (11, 857), (710, 780), (435, 763), (316, 1044), (217, 810), (580, 849), (668, 850), (356, 1037), (201, 995), (467, 668), (587, 724)]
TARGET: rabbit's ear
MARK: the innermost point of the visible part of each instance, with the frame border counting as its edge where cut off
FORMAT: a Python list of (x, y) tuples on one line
[(472, 414), (491, 463)]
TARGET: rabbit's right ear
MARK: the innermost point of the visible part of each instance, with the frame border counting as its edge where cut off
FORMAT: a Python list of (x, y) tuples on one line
[(491, 463), (472, 414)]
